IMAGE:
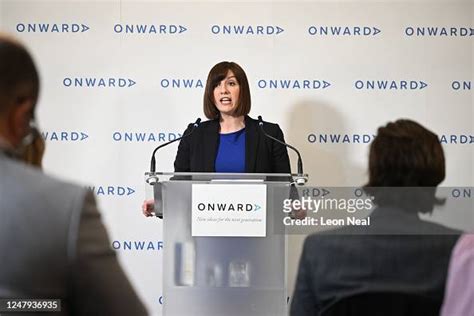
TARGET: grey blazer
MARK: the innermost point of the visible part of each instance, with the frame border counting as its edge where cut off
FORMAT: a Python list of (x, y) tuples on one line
[(398, 252), (54, 245)]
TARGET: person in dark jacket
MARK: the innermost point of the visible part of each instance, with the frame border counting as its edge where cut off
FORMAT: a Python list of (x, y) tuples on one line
[(398, 254), (230, 141)]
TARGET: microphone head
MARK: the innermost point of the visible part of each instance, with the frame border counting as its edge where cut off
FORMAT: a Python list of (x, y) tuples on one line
[(196, 124), (152, 180), (260, 121)]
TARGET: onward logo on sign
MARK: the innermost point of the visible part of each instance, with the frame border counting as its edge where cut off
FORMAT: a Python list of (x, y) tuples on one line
[(343, 30), (111, 190), (461, 85), (224, 207), (461, 139), (64, 136), (98, 82), (390, 84), (463, 193), (141, 137), (231, 210), (149, 29), (137, 245), (174, 83), (246, 29), (340, 138), (293, 84), (51, 28), (436, 31)]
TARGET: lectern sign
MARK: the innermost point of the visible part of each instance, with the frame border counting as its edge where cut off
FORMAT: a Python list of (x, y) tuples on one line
[(233, 210)]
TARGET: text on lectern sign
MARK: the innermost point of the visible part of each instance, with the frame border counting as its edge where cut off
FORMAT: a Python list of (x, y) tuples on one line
[(229, 210)]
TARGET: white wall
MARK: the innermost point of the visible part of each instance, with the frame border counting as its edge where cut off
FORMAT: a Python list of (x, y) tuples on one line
[(148, 61)]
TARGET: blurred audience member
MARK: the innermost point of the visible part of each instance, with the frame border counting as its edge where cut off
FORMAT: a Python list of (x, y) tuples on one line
[(52, 241), (397, 253), (459, 298)]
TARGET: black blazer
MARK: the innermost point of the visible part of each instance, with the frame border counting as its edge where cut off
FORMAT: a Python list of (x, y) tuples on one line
[(197, 153), (397, 253)]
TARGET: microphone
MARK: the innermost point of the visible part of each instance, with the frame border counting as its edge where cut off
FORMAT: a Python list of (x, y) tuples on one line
[(153, 160), (301, 179)]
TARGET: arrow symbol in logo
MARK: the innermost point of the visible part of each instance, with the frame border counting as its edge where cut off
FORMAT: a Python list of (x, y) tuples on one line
[(257, 207)]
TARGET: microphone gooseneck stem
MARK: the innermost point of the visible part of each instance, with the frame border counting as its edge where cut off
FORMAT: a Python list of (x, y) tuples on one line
[(153, 159), (300, 161)]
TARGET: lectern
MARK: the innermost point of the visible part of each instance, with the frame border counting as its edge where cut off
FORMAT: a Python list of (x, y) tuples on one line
[(225, 252)]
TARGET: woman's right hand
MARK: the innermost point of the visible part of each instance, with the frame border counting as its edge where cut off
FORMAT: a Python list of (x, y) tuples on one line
[(148, 208)]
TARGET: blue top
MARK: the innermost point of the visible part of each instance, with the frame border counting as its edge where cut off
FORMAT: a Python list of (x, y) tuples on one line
[(231, 152)]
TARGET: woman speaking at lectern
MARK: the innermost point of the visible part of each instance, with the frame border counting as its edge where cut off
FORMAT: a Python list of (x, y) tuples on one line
[(230, 141)]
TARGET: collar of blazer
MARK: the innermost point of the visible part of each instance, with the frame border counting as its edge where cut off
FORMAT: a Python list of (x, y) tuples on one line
[(211, 144)]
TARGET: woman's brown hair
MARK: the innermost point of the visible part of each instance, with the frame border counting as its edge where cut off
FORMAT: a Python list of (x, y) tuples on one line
[(216, 75), (406, 163)]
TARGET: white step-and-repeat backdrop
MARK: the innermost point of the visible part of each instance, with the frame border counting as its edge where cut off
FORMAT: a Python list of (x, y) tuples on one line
[(121, 77)]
